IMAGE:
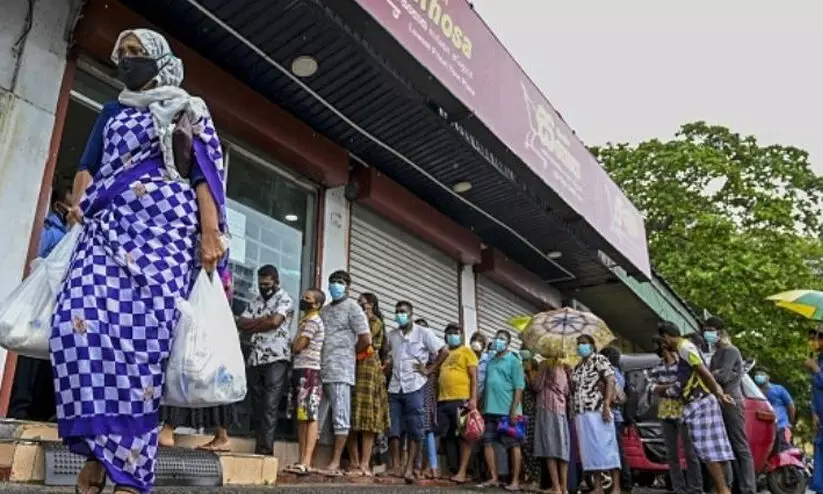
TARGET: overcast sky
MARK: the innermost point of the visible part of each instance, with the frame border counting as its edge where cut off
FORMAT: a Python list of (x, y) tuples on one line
[(628, 70)]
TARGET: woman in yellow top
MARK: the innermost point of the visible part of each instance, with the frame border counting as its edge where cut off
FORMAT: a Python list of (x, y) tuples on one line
[(370, 410), (457, 388)]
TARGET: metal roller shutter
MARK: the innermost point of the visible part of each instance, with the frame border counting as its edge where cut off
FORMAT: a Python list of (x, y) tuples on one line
[(392, 264), (496, 305)]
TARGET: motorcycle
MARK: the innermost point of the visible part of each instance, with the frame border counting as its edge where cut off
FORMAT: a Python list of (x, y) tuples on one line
[(787, 472)]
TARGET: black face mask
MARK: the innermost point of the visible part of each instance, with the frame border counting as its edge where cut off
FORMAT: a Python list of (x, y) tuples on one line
[(136, 72), (306, 305), (266, 292)]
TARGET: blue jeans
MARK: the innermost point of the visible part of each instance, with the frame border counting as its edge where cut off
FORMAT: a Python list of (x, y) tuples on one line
[(406, 410)]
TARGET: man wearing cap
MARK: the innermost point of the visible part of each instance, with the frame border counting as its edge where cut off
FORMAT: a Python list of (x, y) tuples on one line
[(702, 397), (813, 365)]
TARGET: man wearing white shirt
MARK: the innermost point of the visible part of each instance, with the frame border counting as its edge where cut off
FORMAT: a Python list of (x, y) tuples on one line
[(410, 346)]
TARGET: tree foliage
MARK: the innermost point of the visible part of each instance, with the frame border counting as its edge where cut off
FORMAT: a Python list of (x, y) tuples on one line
[(731, 222)]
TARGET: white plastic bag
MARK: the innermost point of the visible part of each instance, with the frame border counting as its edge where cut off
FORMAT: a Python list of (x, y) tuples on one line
[(206, 366), (25, 315)]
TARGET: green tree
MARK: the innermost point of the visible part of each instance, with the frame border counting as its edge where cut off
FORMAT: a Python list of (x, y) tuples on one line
[(731, 222)]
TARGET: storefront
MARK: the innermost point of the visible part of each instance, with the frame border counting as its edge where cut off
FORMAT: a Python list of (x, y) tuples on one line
[(437, 209)]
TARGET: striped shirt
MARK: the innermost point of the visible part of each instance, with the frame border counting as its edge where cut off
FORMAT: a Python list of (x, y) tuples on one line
[(670, 406)]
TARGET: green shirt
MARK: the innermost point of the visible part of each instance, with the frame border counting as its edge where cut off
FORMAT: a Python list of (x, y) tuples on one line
[(504, 376)]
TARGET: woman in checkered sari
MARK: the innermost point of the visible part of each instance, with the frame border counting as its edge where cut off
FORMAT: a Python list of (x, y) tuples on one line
[(146, 230)]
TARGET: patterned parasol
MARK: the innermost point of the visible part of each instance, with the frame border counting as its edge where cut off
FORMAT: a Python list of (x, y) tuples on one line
[(554, 333)]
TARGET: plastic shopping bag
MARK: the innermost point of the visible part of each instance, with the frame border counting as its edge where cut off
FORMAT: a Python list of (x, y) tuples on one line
[(25, 315), (206, 366)]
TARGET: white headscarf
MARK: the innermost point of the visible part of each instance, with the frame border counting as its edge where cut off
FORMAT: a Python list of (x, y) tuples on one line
[(167, 99)]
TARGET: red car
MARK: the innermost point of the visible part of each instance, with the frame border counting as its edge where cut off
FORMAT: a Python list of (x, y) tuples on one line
[(643, 440)]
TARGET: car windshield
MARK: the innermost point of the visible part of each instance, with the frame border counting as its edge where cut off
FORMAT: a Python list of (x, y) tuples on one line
[(750, 389)]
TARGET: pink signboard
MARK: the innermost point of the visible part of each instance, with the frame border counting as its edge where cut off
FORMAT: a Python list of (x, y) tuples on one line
[(456, 46)]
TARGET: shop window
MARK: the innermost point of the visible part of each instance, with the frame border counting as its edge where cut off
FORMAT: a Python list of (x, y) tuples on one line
[(271, 220)]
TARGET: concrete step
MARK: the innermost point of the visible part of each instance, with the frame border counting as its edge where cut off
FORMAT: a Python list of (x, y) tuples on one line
[(22, 457)]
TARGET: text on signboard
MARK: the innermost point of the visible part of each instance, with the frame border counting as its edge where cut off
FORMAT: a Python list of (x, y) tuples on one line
[(447, 26)]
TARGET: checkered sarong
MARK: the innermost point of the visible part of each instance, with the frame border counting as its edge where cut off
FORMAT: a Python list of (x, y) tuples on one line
[(113, 321), (704, 418)]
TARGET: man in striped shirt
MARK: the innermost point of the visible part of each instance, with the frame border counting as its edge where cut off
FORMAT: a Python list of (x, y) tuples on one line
[(663, 383)]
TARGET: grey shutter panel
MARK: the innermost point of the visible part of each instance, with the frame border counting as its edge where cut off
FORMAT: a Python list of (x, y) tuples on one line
[(394, 265)]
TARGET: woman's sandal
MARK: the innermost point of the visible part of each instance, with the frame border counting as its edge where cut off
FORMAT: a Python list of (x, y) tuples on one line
[(100, 485)]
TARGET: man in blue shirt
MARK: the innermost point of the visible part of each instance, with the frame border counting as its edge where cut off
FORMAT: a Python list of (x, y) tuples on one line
[(32, 395), (781, 402)]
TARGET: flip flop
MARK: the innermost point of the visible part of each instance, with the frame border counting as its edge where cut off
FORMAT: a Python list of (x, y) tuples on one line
[(223, 448), (488, 485), (511, 488), (331, 473), (457, 481)]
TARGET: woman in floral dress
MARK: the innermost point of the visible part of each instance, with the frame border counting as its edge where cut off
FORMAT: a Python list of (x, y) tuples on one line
[(370, 410)]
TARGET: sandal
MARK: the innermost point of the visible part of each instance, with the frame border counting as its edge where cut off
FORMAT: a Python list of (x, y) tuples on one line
[(489, 484), (100, 485), (332, 473)]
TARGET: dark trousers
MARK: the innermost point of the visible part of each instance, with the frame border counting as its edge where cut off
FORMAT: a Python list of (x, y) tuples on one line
[(267, 384), (690, 481), (32, 395), (743, 465)]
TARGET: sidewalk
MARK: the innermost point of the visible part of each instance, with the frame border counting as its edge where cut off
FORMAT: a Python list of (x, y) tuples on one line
[(290, 489)]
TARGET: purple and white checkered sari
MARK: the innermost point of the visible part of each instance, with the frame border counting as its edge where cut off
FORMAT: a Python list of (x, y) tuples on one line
[(113, 321)]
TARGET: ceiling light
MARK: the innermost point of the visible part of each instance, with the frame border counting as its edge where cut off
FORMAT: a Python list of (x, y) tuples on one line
[(555, 254), (304, 66), (291, 217), (462, 187)]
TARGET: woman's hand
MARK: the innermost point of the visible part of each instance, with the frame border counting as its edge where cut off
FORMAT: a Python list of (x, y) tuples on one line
[(606, 414), (211, 249), (74, 216)]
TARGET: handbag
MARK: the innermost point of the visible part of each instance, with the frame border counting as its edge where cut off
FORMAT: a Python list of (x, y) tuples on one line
[(26, 313), (471, 425)]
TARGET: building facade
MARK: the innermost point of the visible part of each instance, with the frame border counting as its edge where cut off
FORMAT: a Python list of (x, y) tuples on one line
[(397, 139)]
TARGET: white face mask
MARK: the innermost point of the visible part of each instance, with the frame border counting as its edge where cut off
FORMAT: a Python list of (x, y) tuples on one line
[(477, 346)]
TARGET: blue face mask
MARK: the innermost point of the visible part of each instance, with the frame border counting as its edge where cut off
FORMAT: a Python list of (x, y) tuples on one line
[(584, 349), (401, 318), (760, 379), (500, 344), (453, 340), (710, 337), (337, 290)]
